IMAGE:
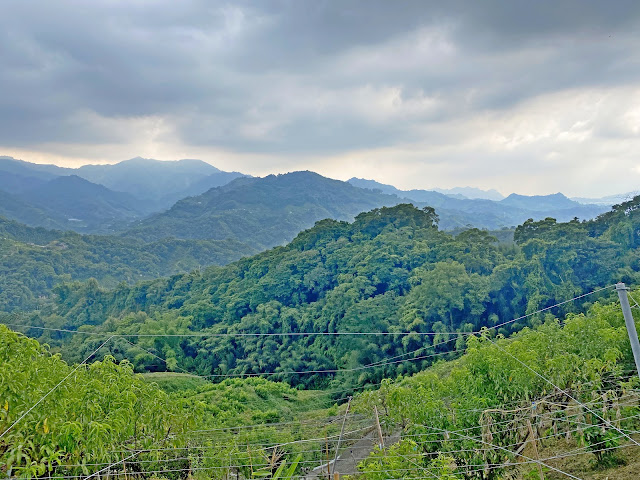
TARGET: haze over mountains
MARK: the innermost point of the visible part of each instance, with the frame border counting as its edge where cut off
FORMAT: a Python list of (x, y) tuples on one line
[(100, 198), (149, 200), (457, 212)]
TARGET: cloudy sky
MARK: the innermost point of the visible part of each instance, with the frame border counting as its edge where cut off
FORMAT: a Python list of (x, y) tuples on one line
[(532, 97)]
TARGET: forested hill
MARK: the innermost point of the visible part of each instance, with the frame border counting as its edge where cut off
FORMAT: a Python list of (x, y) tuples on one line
[(263, 212), (159, 183), (34, 260), (100, 198), (270, 211), (391, 270)]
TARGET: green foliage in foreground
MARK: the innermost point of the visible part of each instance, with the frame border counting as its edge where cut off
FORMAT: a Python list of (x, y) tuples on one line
[(453, 415), (34, 260), (472, 406), (97, 409), (102, 413)]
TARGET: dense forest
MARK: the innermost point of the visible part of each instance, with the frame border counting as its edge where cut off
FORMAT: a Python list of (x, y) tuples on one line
[(391, 270), (34, 260)]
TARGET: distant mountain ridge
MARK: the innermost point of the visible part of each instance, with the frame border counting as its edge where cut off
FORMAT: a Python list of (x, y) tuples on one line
[(93, 206), (118, 198), (161, 182), (471, 193), (269, 211), (458, 212), (100, 198), (463, 193), (262, 212), (608, 200), (540, 203)]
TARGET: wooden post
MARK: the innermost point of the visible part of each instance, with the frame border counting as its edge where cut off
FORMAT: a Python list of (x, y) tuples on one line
[(326, 439), (124, 467), (344, 421), (380, 437), (535, 449)]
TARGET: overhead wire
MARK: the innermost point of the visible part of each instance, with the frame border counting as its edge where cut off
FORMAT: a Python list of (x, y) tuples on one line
[(374, 364), (561, 390), (54, 388), (300, 334)]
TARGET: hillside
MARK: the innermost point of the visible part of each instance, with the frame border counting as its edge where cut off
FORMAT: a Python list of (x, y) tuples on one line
[(456, 211), (568, 386), (256, 211), (14, 207), (87, 415), (564, 394), (159, 183), (34, 260), (390, 270), (262, 212), (84, 206), (312, 313), (100, 198)]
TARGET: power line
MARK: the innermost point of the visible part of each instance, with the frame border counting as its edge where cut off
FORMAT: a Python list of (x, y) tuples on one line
[(302, 334), (54, 388), (513, 453), (563, 391)]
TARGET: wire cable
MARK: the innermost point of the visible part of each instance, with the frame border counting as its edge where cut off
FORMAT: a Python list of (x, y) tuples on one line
[(54, 388)]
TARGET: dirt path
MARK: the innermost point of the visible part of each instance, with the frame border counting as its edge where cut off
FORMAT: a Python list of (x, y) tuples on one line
[(352, 455)]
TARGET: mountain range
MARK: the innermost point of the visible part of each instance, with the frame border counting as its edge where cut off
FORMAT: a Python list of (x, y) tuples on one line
[(100, 198), (262, 212), (149, 200), (458, 212)]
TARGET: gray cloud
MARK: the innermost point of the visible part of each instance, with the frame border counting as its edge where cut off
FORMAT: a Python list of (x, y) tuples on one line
[(312, 79)]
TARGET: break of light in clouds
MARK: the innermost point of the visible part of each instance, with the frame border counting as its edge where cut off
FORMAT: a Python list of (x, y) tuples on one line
[(533, 97)]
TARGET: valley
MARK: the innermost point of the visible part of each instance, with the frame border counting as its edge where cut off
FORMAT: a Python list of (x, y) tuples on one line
[(250, 331)]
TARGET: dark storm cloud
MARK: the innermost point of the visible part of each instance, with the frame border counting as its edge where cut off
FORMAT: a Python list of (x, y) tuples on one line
[(295, 76)]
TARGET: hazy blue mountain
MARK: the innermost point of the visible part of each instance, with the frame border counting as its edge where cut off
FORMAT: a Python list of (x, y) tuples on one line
[(373, 185), (28, 169), (78, 200), (431, 197), (458, 212), (15, 208), (161, 183), (471, 193), (539, 203), (17, 183), (262, 212), (461, 193), (84, 206)]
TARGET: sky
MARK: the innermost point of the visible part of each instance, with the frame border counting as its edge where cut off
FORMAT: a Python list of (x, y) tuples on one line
[(520, 96)]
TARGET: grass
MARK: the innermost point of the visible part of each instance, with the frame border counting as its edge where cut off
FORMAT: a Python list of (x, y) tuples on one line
[(172, 382)]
